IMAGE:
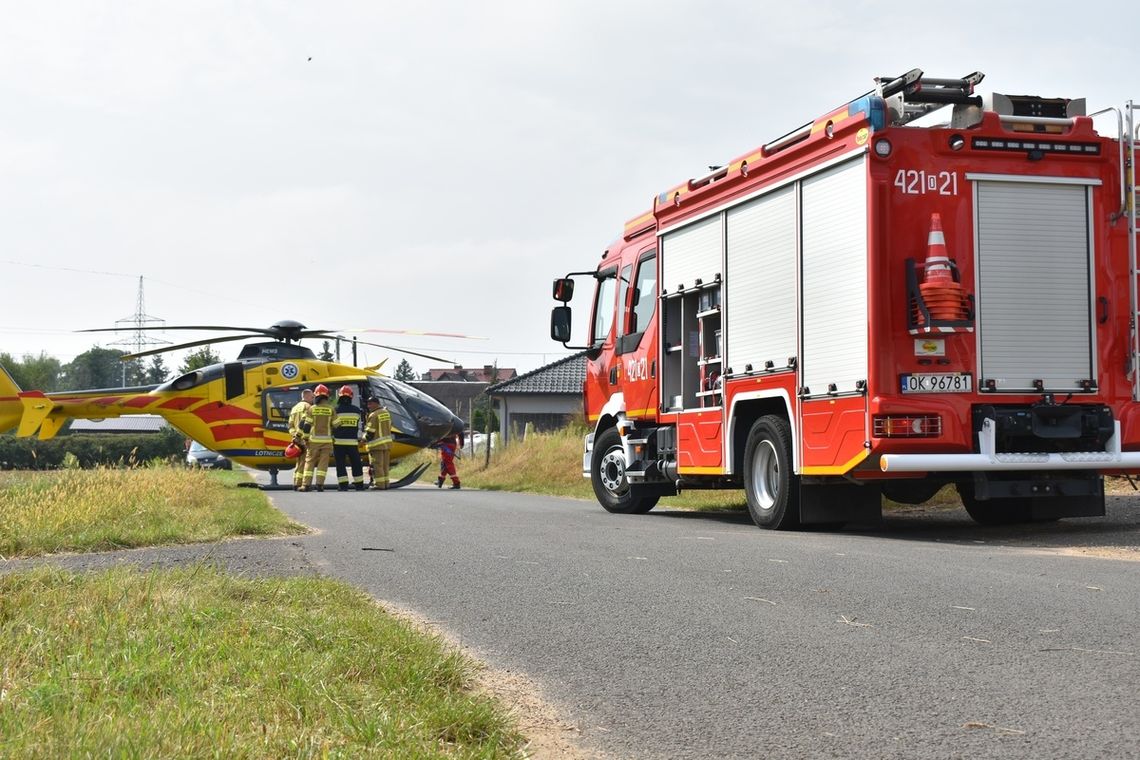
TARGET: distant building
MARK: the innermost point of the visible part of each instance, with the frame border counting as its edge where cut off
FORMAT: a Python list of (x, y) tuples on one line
[(458, 387), (547, 397), (486, 374)]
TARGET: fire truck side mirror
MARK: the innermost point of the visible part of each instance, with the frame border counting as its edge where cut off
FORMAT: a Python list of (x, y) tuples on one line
[(560, 324), (563, 289)]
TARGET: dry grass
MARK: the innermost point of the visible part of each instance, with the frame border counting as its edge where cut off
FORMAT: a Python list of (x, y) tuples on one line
[(551, 464), (92, 510)]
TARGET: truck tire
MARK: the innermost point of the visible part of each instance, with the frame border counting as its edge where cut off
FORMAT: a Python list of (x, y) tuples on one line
[(772, 490), (607, 474), (994, 511)]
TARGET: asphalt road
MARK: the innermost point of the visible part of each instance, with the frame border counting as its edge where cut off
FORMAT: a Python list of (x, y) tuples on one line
[(675, 635), (679, 635)]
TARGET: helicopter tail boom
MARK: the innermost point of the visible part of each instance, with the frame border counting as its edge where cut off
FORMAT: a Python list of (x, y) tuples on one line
[(35, 413)]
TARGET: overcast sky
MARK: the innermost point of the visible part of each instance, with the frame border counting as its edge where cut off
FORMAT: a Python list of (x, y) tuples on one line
[(432, 165)]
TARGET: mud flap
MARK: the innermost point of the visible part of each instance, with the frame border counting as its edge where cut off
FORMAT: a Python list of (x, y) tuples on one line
[(840, 503)]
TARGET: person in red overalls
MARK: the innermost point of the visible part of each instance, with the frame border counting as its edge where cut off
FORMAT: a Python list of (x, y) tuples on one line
[(449, 446)]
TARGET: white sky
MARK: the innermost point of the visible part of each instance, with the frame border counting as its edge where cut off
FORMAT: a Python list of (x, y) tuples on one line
[(436, 164)]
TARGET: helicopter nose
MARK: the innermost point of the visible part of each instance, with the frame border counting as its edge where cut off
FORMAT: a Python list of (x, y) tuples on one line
[(435, 427)]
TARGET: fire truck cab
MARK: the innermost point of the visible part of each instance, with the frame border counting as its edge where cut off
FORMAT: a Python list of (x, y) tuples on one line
[(924, 286)]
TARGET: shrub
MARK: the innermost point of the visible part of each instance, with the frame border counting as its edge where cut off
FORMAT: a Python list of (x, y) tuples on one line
[(88, 450)]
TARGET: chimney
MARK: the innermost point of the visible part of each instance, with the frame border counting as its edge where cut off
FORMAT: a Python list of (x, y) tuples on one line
[(489, 373)]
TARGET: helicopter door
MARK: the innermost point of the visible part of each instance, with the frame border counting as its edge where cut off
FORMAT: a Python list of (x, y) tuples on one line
[(235, 380)]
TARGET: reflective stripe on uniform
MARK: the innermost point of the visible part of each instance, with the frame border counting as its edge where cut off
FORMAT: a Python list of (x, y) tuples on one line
[(321, 418)]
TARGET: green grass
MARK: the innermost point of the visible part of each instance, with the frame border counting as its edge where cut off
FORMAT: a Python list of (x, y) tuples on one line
[(92, 510), (194, 663)]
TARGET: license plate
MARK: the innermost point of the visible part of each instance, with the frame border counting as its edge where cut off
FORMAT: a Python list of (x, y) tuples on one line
[(937, 382)]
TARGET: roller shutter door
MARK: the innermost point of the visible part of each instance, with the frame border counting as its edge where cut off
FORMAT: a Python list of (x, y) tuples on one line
[(760, 303), (691, 253), (1034, 266), (834, 279)]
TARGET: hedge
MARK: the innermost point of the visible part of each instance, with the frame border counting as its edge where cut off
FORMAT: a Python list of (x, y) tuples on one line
[(91, 450)]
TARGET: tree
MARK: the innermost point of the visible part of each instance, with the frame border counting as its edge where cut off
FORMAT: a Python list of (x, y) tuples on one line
[(326, 353), (203, 357), (94, 368), (404, 371), (483, 411), (134, 373), (156, 373), (39, 373)]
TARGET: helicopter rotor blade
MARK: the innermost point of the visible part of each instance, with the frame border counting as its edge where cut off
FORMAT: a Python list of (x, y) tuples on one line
[(418, 333), (180, 346), (258, 330), (396, 349)]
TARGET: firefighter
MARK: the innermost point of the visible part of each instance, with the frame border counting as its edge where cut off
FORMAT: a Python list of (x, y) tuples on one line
[(296, 415), (378, 434), (449, 447), (346, 437), (317, 425)]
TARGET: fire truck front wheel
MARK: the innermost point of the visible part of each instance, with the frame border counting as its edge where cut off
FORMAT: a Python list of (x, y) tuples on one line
[(607, 473), (769, 485)]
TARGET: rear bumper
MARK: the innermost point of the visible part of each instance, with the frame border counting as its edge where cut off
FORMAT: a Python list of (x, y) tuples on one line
[(989, 460)]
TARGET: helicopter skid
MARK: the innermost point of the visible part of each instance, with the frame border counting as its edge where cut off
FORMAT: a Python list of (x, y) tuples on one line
[(410, 478), (407, 480)]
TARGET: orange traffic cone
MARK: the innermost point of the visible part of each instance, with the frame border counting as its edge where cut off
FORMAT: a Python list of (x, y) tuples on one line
[(937, 260), (941, 294)]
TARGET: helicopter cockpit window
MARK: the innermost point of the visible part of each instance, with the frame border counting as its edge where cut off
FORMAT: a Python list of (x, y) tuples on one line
[(276, 405), (401, 421)]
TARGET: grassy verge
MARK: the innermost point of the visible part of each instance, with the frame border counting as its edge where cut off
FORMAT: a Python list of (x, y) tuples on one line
[(550, 463), (94, 510), (193, 663)]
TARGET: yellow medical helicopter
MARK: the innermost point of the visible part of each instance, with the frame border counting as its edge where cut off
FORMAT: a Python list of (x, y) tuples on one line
[(240, 408)]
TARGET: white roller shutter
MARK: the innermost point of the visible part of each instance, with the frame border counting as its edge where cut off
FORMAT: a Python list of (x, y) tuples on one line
[(835, 278), (760, 303), (1034, 263), (691, 253)]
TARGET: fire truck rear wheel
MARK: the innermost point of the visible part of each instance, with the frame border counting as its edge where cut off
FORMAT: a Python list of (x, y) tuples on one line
[(994, 511), (772, 490), (607, 474)]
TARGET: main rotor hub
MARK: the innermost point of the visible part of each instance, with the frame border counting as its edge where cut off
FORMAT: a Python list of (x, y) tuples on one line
[(288, 330)]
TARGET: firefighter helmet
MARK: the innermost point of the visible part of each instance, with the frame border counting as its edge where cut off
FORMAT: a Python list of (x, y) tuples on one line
[(321, 390), (292, 451), (345, 391)]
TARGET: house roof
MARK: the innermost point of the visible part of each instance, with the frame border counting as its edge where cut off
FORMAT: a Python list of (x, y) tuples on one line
[(128, 423), (564, 376), (483, 374)]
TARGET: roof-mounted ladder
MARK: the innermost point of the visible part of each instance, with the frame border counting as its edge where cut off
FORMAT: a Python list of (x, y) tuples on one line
[(907, 97), (1128, 179), (913, 95)]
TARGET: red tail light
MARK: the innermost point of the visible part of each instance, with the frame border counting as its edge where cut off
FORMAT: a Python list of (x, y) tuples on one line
[(907, 426)]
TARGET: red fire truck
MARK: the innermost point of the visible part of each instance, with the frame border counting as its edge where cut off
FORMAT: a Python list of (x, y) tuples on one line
[(925, 286)]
